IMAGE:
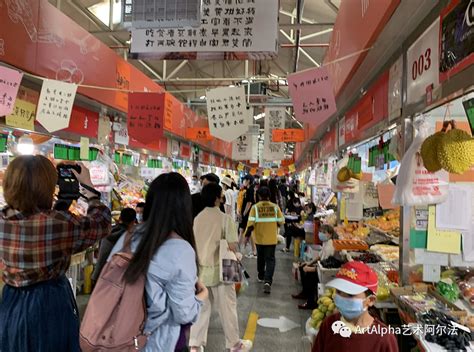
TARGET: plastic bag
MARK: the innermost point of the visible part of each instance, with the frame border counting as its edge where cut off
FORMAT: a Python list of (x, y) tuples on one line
[(415, 185)]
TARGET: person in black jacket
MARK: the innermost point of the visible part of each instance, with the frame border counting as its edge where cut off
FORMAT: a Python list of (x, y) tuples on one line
[(127, 220), (198, 205)]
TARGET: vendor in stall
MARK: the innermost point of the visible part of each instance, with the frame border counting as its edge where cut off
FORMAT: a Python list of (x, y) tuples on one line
[(353, 328), (308, 272)]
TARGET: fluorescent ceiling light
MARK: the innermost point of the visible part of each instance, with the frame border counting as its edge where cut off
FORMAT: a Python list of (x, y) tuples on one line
[(259, 116), (25, 146), (202, 97)]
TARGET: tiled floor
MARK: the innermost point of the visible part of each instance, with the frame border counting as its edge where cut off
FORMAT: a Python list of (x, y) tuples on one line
[(278, 303)]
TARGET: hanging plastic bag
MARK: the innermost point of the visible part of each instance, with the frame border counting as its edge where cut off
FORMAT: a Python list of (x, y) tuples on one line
[(415, 185)]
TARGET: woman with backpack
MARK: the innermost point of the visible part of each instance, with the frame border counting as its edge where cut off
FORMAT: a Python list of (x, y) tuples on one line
[(38, 311), (164, 250)]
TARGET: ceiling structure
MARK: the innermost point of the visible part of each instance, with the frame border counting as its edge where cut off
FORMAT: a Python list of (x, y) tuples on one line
[(188, 79)]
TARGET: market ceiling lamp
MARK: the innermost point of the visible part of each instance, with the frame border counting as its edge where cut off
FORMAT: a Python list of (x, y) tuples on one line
[(25, 146)]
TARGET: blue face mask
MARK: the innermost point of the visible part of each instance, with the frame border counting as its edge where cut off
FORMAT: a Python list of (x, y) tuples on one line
[(350, 308), (323, 237)]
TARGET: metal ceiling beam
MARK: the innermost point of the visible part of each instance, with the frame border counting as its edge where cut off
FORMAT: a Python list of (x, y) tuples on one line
[(149, 69), (299, 16), (305, 26), (304, 52), (316, 34), (177, 69)]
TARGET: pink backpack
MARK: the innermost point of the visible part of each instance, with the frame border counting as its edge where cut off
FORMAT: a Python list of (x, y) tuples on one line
[(116, 314)]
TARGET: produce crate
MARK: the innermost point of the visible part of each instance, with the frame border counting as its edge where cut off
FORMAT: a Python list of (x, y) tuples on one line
[(325, 275), (409, 313)]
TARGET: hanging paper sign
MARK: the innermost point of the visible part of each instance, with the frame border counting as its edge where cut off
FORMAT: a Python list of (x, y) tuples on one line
[(99, 174), (9, 84), (145, 116), (226, 108), (288, 135), (23, 115), (267, 172), (253, 171), (240, 167), (122, 82), (242, 147), (168, 114), (312, 94), (280, 173), (121, 136), (199, 134), (351, 127), (423, 64), (55, 104), (84, 150), (226, 26), (292, 168), (104, 129), (342, 131), (274, 120), (206, 158), (395, 89)]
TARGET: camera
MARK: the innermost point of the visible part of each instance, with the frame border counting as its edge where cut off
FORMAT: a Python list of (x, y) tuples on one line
[(67, 182)]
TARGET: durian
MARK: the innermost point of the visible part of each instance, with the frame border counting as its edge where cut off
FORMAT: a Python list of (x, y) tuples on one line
[(344, 174), (429, 152), (456, 151)]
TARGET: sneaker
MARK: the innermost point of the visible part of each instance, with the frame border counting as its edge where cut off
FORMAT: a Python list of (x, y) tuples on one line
[(267, 288), (284, 250), (260, 280), (251, 256), (242, 346)]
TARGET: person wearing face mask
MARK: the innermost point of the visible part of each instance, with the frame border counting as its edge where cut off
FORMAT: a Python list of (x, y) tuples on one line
[(356, 286), (293, 225), (139, 209), (308, 274)]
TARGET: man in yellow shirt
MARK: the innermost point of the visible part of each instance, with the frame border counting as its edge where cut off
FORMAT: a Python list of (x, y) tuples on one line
[(264, 219)]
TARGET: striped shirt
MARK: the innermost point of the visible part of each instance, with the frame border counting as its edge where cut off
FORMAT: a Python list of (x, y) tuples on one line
[(39, 247), (265, 217)]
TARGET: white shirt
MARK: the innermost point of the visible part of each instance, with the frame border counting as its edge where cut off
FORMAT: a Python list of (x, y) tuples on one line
[(231, 201)]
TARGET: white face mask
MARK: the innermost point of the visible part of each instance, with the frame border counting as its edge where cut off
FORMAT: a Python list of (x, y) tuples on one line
[(139, 218)]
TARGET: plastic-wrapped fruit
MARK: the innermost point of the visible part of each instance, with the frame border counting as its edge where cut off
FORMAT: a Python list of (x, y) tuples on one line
[(344, 174), (429, 152), (456, 151)]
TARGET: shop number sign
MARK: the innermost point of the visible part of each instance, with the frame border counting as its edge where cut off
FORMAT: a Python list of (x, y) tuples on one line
[(423, 64)]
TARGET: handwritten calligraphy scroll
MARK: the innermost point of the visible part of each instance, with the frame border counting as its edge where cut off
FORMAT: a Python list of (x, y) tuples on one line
[(312, 94), (9, 85), (274, 120), (55, 104), (145, 116), (227, 112)]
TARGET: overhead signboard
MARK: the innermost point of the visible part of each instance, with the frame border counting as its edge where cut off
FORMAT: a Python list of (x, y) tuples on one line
[(423, 64), (237, 27), (242, 147)]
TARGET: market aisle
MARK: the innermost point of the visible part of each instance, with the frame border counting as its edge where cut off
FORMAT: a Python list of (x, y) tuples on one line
[(278, 303)]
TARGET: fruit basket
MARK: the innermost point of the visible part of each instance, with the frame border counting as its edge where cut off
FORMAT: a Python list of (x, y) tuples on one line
[(326, 307)]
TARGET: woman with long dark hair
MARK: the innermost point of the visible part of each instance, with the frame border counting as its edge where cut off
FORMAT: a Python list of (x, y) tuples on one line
[(164, 248)]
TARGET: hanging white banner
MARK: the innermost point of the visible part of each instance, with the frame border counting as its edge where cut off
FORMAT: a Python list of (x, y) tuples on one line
[(242, 147), (274, 119), (227, 113), (342, 131), (395, 89), (55, 104), (226, 26), (423, 64)]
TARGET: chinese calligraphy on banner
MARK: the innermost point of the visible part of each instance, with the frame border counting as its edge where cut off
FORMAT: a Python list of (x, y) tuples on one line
[(312, 94), (227, 112), (274, 120), (226, 26), (23, 115), (242, 147), (288, 135), (55, 104), (198, 134), (145, 116), (9, 85)]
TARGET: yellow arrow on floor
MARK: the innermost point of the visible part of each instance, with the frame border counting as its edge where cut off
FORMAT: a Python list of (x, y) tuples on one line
[(251, 327)]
